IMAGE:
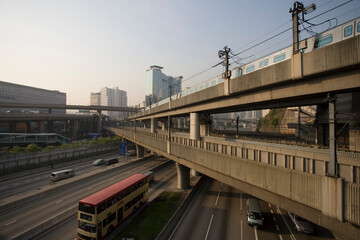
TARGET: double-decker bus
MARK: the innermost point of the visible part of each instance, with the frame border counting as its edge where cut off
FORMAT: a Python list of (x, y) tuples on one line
[(99, 214)]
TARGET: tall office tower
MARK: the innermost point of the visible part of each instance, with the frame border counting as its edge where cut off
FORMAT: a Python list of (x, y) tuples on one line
[(16, 93), (116, 98), (95, 99), (159, 86)]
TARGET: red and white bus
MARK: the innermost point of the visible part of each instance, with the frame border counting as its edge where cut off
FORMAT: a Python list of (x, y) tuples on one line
[(99, 214)]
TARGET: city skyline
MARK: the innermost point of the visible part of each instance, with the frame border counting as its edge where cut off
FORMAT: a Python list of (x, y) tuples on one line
[(80, 47)]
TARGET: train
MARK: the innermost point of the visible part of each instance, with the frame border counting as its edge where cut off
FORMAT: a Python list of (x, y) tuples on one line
[(331, 36)]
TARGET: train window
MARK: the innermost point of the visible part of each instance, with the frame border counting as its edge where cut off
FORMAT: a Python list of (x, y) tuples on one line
[(207, 85), (266, 62), (220, 80), (323, 41), (260, 64), (279, 57), (238, 72), (358, 27), (213, 82), (348, 31), (201, 87), (250, 68)]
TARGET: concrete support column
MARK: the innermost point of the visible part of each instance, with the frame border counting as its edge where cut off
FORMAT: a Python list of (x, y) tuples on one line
[(180, 122), (163, 126), (153, 125), (332, 205), (74, 125), (42, 127), (98, 126), (354, 138), (205, 124), (194, 126), (140, 151), (183, 174), (195, 173), (332, 170)]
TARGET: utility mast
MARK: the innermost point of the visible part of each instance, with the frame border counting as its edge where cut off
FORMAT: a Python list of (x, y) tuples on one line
[(227, 74), (299, 8)]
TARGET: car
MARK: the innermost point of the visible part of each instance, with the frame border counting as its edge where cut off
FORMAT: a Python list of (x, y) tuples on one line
[(254, 215), (63, 174), (301, 224), (110, 161), (98, 162)]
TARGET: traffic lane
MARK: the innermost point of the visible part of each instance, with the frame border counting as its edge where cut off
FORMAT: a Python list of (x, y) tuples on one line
[(22, 219), (36, 180), (194, 223), (289, 231), (164, 179)]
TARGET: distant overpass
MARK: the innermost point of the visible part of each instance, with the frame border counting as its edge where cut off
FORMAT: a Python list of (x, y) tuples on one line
[(61, 106)]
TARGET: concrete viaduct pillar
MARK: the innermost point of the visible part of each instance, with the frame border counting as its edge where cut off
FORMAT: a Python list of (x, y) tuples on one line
[(205, 124), (183, 174), (194, 126), (153, 125), (74, 128), (140, 151)]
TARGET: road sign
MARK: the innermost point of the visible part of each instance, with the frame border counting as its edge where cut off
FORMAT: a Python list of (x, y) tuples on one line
[(122, 148)]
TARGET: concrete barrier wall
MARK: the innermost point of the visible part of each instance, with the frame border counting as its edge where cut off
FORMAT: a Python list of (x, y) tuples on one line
[(352, 203)]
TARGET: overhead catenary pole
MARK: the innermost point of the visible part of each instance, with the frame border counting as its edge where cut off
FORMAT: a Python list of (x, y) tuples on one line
[(227, 74)]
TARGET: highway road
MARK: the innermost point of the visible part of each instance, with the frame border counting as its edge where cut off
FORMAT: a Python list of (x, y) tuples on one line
[(28, 216), (36, 178), (218, 211), (165, 179)]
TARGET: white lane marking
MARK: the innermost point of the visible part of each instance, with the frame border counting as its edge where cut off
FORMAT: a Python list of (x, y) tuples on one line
[(280, 237), (255, 231), (208, 230), (269, 205), (10, 223), (272, 212), (277, 227), (38, 178), (241, 231), (57, 202), (274, 219), (217, 199), (291, 233), (89, 188)]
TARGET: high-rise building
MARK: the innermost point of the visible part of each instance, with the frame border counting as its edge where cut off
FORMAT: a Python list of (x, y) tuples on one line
[(95, 99), (116, 98), (16, 93), (159, 86)]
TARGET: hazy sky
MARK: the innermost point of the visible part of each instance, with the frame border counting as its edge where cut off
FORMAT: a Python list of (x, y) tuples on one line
[(80, 46)]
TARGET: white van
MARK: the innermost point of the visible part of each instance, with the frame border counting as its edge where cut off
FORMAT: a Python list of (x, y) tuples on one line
[(254, 215), (63, 174)]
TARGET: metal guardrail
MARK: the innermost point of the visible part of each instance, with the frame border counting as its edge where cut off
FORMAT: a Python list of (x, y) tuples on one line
[(33, 138)]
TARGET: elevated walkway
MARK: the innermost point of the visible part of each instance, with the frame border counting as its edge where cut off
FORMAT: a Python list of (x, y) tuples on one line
[(11, 138)]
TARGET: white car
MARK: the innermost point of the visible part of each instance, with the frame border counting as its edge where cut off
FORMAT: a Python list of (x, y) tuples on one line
[(301, 224)]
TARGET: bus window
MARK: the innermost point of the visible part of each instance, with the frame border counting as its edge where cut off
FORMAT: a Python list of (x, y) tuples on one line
[(87, 208), (348, 31)]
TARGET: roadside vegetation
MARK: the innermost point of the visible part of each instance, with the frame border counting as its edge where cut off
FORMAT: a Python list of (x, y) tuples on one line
[(271, 122), (98, 146), (153, 218)]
